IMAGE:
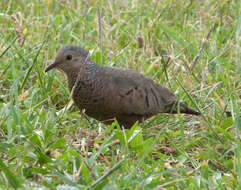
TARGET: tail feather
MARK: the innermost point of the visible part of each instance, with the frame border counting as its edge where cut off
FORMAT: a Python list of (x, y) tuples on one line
[(183, 109)]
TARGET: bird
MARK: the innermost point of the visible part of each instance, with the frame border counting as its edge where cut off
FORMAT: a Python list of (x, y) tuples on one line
[(110, 93)]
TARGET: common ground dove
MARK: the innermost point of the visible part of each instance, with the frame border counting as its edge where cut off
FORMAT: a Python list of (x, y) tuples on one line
[(108, 93)]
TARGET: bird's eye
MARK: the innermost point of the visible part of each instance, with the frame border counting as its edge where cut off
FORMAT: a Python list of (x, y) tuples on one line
[(69, 57)]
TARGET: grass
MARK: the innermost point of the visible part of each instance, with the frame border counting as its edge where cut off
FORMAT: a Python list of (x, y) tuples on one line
[(45, 145)]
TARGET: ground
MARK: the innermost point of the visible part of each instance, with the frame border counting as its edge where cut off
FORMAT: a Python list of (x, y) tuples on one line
[(192, 47)]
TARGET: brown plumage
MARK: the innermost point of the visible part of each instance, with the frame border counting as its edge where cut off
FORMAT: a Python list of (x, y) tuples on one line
[(107, 93)]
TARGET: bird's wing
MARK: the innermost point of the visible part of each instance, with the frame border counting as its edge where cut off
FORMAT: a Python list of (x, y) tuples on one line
[(133, 93)]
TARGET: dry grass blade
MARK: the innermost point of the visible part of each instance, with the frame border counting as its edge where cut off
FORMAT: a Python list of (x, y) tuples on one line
[(100, 34), (204, 75), (201, 49)]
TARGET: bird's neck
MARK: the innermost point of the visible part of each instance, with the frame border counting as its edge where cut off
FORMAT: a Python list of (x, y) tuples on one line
[(86, 71), (72, 76)]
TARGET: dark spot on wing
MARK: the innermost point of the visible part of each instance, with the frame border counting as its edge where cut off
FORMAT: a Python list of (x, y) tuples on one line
[(130, 91), (163, 100), (154, 94), (147, 101)]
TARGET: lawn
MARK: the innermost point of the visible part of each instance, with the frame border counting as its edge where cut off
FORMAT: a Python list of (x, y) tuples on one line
[(192, 47)]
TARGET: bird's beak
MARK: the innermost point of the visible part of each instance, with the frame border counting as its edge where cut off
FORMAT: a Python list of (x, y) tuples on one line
[(53, 65)]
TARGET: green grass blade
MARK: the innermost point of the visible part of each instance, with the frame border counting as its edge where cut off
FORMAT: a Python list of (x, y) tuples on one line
[(13, 181)]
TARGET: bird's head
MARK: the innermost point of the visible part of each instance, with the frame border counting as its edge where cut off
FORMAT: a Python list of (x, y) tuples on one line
[(69, 58)]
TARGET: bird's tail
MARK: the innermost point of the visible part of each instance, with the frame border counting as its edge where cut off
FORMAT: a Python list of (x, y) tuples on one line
[(183, 109)]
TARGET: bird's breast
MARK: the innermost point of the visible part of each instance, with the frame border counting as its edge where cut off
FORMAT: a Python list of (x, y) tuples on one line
[(88, 93)]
